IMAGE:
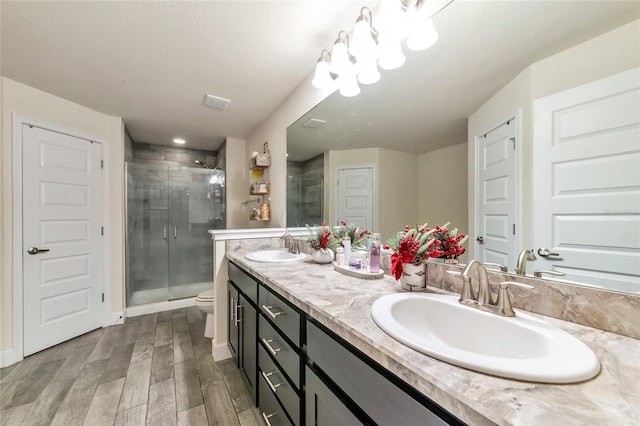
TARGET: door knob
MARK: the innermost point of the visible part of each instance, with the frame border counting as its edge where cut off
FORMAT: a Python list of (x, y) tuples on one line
[(480, 239), (36, 250), (545, 252)]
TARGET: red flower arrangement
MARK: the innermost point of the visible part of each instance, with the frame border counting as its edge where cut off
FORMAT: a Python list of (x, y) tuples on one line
[(421, 243), (447, 243), (411, 247), (322, 237), (356, 235)]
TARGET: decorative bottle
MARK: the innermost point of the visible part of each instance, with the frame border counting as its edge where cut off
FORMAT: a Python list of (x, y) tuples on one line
[(340, 256), (374, 256), (346, 244)]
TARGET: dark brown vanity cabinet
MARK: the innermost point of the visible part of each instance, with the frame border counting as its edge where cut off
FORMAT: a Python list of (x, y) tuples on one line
[(242, 325), (307, 375), (280, 359)]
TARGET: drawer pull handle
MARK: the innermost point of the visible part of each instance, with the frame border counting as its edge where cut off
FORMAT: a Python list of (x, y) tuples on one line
[(266, 417), (272, 314), (234, 311), (269, 382), (271, 349), (238, 319)]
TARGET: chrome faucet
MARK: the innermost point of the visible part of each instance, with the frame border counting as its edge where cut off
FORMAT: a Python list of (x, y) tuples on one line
[(290, 243), (524, 256), (484, 301), (538, 274)]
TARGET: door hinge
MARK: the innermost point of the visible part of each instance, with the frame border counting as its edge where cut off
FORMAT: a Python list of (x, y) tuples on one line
[(102, 297), (514, 142), (102, 230), (102, 164), (514, 229)]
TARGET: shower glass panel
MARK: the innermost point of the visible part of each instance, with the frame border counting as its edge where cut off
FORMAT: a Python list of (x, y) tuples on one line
[(169, 251), (193, 211), (147, 248)]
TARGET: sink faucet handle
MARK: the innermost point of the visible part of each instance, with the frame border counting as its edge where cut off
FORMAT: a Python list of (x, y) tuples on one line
[(455, 273), (499, 266), (538, 274), (504, 301)]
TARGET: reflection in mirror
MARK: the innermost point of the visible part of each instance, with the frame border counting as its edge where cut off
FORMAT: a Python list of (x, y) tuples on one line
[(426, 109), (305, 192)]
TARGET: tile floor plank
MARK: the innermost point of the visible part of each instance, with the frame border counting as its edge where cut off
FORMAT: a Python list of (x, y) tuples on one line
[(133, 416), (104, 406), (75, 405), (161, 408), (31, 388), (162, 363), (163, 333), (193, 416), (188, 392), (127, 374), (220, 410), (236, 386)]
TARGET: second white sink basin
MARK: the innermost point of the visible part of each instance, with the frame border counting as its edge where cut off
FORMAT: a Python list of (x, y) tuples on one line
[(274, 256), (520, 347)]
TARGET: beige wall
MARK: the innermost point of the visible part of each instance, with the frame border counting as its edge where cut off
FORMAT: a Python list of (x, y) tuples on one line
[(236, 178), (400, 191), (274, 131), (45, 108), (602, 56), (442, 176)]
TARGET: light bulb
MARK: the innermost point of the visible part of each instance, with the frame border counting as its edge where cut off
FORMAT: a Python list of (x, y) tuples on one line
[(350, 86), (340, 63), (322, 79), (369, 73), (422, 36), (392, 20), (391, 56), (363, 45)]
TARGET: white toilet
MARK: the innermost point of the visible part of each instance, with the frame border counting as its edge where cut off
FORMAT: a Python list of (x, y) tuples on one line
[(204, 302)]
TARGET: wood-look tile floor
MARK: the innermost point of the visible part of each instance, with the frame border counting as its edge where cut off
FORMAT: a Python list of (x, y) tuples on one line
[(155, 369)]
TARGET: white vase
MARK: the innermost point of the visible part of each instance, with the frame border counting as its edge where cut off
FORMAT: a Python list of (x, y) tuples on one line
[(414, 278), (322, 255)]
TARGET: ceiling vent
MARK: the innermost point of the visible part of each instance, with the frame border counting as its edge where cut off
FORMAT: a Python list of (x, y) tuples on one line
[(216, 102), (314, 123)]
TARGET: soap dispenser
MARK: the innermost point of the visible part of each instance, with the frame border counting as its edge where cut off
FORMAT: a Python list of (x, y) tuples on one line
[(374, 255)]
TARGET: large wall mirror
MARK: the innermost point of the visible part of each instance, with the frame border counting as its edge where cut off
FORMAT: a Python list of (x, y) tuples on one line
[(424, 106)]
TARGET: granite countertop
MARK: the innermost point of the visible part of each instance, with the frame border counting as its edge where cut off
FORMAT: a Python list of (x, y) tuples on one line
[(342, 304)]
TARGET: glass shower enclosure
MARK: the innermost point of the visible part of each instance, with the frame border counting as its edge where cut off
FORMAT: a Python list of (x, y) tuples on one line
[(169, 211)]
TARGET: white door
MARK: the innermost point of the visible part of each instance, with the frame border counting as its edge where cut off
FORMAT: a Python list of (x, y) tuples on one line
[(62, 287), (355, 196), (496, 211), (587, 182)]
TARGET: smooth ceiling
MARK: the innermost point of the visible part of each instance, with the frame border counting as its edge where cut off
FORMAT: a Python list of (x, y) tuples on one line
[(152, 63)]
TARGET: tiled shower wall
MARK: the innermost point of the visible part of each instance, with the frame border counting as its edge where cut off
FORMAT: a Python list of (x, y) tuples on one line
[(305, 191)]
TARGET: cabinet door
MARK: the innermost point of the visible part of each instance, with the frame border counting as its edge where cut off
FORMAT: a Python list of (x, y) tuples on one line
[(232, 327), (323, 408), (248, 358)]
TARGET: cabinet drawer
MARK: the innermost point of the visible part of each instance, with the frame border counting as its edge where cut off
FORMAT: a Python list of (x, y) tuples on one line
[(245, 282), (286, 318), (270, 410), (283, 390), (381, 399), (323, 407), (287, 359)]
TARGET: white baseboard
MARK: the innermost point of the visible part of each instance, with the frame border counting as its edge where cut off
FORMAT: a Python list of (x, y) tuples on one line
[(9, 357), (220, 352), (152, 308), (115, 318)]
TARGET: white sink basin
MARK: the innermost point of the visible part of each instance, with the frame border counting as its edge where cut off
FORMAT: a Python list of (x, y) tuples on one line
[(520, 347), (274, 256)]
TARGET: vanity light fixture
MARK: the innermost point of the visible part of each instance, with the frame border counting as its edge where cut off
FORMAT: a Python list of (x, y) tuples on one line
[(179, 141), (380, 45)]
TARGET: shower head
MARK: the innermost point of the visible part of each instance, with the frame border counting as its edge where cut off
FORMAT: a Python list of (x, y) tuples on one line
[(201, 164)]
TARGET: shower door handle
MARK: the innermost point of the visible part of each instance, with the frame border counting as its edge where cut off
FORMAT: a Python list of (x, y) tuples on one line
[(175, 232), (164, 233)]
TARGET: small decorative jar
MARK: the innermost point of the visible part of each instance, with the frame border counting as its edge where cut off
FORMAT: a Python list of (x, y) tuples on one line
[(323, 255), (414, 278)]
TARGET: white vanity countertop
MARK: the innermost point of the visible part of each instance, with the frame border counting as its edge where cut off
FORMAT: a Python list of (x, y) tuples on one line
[(343, 303)]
